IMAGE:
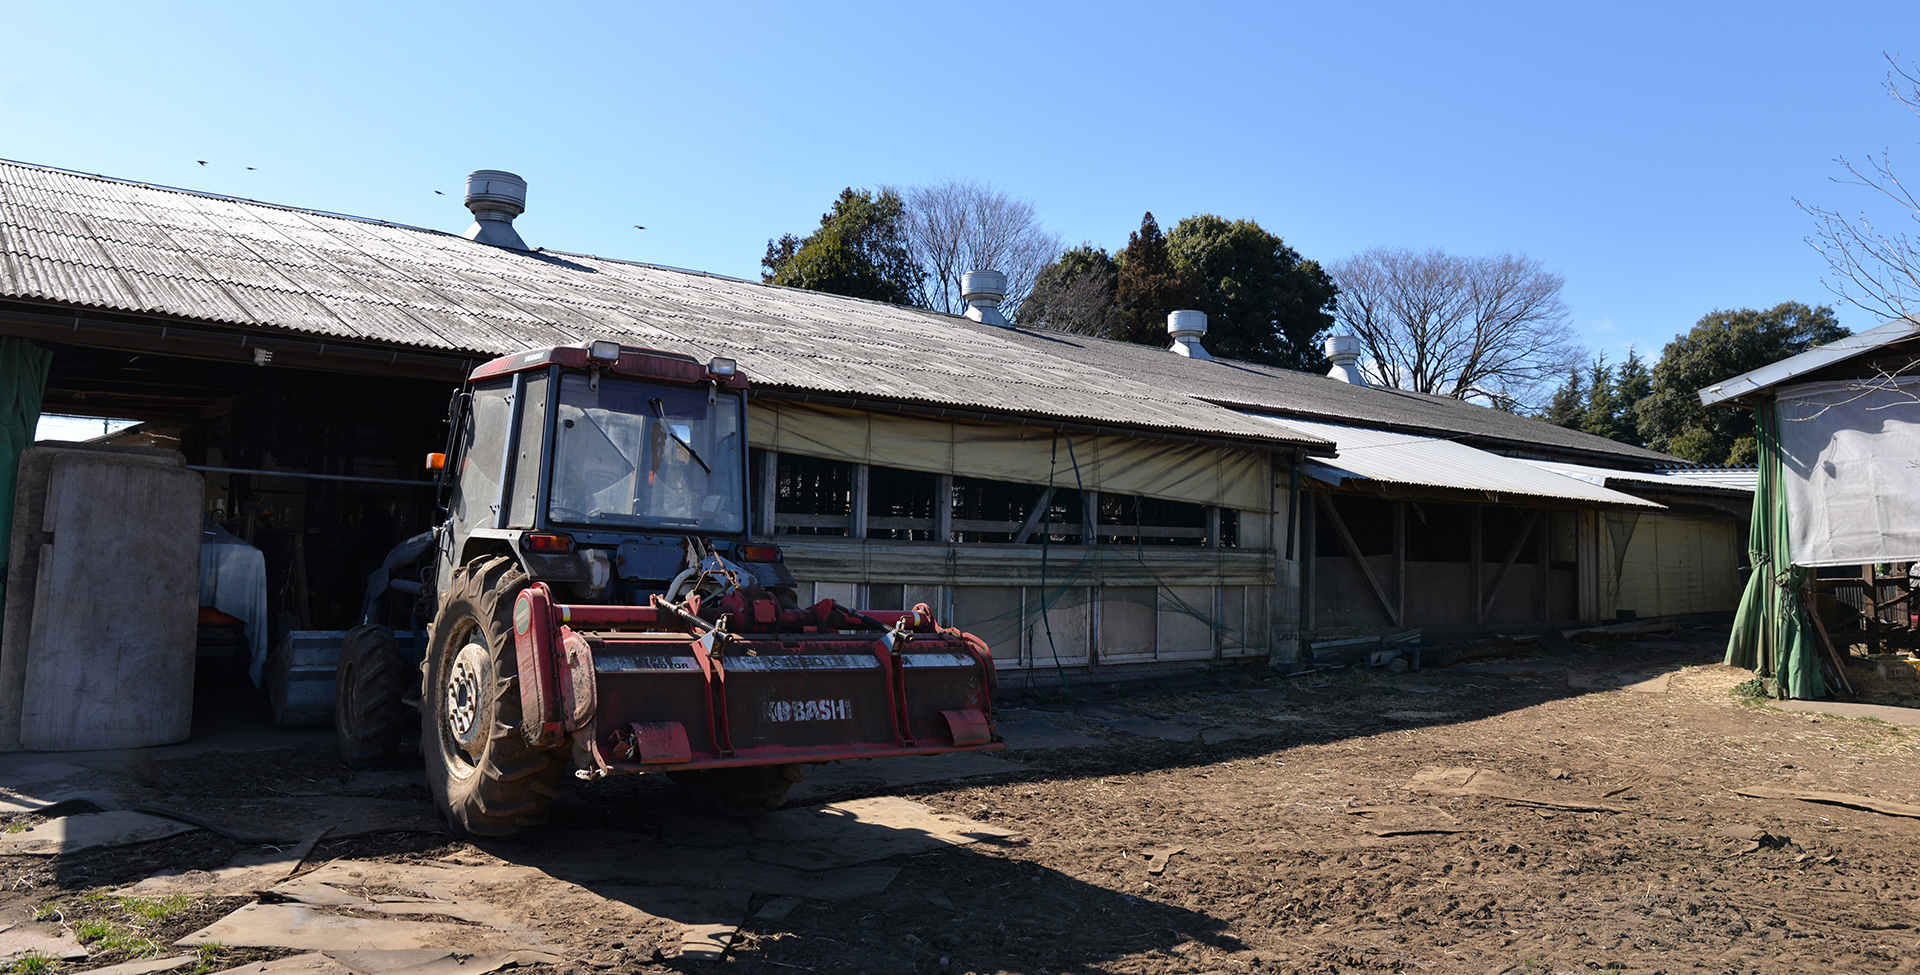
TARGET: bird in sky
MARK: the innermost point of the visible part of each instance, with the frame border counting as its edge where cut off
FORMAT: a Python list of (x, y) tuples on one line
[(202, 162), (250, 168), (438, 193), (638, 227)]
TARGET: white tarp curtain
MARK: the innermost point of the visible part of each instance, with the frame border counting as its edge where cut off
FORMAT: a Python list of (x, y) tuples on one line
[(1852, 457), (1029, 455)]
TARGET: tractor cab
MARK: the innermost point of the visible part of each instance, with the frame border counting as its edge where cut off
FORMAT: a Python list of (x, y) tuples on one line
[(596, 465)]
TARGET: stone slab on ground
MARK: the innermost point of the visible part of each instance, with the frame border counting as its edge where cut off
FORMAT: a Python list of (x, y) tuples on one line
[(27, 777), (292, 819), (709, 920), (71, 834), (594, 857), (301, 927), (1640, 682), (1849, 709), (248, 872), (1041, 733), (19, 941), (861, 831), (146, 966), (892, 773), (1182, 731)]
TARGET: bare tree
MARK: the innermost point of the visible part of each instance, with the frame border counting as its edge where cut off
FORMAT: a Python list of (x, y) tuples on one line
[(1874, 269), (962, 225), (1475, 328)]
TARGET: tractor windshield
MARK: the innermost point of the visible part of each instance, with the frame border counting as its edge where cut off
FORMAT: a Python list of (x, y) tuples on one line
[(648, 456)]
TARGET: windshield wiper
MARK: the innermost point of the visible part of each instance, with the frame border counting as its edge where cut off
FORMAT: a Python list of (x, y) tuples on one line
[(661, 412)]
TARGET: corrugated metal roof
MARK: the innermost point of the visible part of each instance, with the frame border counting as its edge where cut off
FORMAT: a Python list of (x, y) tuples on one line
[(1835, 352), (1397, 458), (114, 245), (1731, 479), (119, 246)]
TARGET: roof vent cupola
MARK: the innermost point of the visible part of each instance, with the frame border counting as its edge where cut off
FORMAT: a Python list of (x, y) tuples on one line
[(983, 291), (1344, 350), (496, 197), (1187, 329)]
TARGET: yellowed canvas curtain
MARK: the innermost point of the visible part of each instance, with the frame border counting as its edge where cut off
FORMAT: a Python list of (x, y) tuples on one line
[(1031, 455)]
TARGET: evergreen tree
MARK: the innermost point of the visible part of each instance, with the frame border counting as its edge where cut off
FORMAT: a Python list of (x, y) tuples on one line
[(860, 251), (1148, 286)]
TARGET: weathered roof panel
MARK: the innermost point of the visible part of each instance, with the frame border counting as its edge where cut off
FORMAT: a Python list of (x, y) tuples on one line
[(1733, 480), (1833, 353), (1399, 458), (114, 245)]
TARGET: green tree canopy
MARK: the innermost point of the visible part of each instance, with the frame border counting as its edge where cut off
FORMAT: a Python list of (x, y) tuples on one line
[(1147, 287), (1074, 293), (860, 251), (1723, 345), (1601, 398), (1264, 303)]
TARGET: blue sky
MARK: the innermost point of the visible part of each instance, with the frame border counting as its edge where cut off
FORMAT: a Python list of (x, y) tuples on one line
[(1649, 153)]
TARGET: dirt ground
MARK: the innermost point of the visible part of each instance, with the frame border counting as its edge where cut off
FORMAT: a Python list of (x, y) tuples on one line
[(1554, 813)]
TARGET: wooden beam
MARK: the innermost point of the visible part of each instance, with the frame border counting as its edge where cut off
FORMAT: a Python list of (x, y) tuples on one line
[(1307, 556), (1400, 560), (768, 489), (1089, 517), (1353, 552), (943, 509), (857, 516), (1476, 554), (1040, 507), (1513, 552), (1542, 551)]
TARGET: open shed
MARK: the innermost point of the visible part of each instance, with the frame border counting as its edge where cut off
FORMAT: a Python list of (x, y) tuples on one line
[(1836, 515)]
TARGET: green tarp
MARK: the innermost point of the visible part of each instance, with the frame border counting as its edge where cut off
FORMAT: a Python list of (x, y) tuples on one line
[(23, 381), (1771, 633)]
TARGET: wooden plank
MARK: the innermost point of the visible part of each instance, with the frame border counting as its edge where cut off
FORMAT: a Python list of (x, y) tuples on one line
[(1353, 552), (1833, 653), (857, 518), (1476, 553), (1040, 506), (768, 489), (1513, 553), (943, 509), (1399, 560)]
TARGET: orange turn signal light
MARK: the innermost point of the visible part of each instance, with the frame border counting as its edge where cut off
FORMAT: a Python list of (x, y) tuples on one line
[(760, 553), (436, 462), (542, 542)]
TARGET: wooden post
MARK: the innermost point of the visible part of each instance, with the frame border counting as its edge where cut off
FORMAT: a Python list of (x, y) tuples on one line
[(1476, 554), (1213, 526), (1400, 560), (857, 517), (1542, 552), (1306, 556), (1090, 517), (768, 489), (943, 509)]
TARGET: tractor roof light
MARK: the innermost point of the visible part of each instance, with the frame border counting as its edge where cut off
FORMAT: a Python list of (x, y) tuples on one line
[(721, 367), (603, 350)]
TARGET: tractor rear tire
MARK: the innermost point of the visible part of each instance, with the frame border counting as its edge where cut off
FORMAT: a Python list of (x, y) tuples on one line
[(742, 793), (368, 715), (485, 777)]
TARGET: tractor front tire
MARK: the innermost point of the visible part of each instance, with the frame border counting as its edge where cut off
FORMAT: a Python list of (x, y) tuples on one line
[(742, 793), (368, 686), (485, 777)]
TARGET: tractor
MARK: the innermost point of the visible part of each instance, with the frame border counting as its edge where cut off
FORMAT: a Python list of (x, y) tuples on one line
[(597, 608)]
